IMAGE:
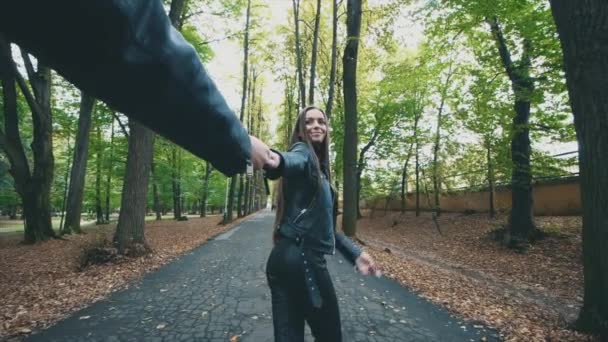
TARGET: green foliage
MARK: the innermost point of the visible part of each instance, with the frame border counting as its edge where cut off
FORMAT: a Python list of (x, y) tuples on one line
[(399, 96), (193, 37)]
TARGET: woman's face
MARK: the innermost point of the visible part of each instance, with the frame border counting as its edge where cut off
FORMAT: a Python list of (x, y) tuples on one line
[(316, 126)]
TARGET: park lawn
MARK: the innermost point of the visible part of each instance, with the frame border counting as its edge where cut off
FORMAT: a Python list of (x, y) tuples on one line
[(36, 294), (530, 296)]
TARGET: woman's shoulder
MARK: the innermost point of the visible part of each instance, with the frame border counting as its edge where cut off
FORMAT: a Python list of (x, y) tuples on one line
[(299, 146)]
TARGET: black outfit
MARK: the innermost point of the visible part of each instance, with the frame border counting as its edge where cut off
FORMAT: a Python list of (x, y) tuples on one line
[(300, 284), (126, 53), (291, 303)]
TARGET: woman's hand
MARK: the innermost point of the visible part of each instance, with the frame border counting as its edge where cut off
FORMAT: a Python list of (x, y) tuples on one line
[(260, 153), (273, 161), (366, 265)]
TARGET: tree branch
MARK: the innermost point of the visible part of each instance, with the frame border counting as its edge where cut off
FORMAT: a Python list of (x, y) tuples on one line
[(12, 68), (11, 141), (31, 101), (364, 150), (27, 61), (122, 126), (541, 127), (223, 38), (185, 17), (503, 49), (307, 25)]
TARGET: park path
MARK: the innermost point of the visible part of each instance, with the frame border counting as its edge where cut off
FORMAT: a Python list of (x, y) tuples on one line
[(218, 291)]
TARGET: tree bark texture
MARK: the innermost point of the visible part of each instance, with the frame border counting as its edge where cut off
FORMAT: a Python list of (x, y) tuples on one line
[(313, 56), (583, 29), (79, 167), (32, 185), (349, 62), (130, 238), (521, 220)]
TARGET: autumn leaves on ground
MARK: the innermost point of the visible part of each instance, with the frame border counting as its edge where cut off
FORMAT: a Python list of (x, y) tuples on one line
[(532, 296), (42, 283), (527, 297)]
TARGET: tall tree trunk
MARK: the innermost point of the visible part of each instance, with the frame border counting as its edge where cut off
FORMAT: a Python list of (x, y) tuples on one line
[(179, 195), (258, 179), (252, 192), (246, 195), (79, 168), (130, 229), (239, 201), (247, 202), (235, 178), (338, 121), (289, 110), (251, 119), (245, 63), (490, 177), (334, 60), (313, 57), (155, 194), (349, 62), (98, 167), (44, 162), (208, 169), (361, 166), (66, 181), (34, 187), (417, 174), (403, 185), (437, 142), (109, 175), (129, 237), (521, 222), (404, 177), (229, 209), (176, 12), (240, 207), (583, 29), (300, 67), (175, 183)]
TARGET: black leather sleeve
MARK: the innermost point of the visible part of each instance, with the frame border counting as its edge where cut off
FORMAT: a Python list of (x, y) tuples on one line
[(347, 247), (294, 162), (126, 53)]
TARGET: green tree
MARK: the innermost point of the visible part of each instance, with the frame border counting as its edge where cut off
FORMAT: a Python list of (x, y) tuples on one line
[(33, 184)]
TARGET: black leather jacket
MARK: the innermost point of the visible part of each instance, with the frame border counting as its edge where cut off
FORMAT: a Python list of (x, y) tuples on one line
[(309, 210), (126, 53)]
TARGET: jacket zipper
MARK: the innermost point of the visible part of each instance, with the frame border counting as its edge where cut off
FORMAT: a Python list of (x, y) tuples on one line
[(302, 212)]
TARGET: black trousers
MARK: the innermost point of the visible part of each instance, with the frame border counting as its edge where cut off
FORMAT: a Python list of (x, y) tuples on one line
[(291, 303)]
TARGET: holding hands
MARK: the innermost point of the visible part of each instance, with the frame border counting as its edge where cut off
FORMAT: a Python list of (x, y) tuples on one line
[(262, 156)]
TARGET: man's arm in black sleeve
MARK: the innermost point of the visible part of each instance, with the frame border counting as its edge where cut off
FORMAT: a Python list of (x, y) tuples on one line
[(126, 53)]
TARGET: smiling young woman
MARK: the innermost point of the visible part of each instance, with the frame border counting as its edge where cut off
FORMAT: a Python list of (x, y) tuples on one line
[(304, 232)]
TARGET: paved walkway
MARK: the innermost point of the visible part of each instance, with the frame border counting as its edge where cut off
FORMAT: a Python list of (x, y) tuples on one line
[(219, 290)]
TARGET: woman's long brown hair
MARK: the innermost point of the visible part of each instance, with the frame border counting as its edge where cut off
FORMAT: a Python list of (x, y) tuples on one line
[(320, 157)]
